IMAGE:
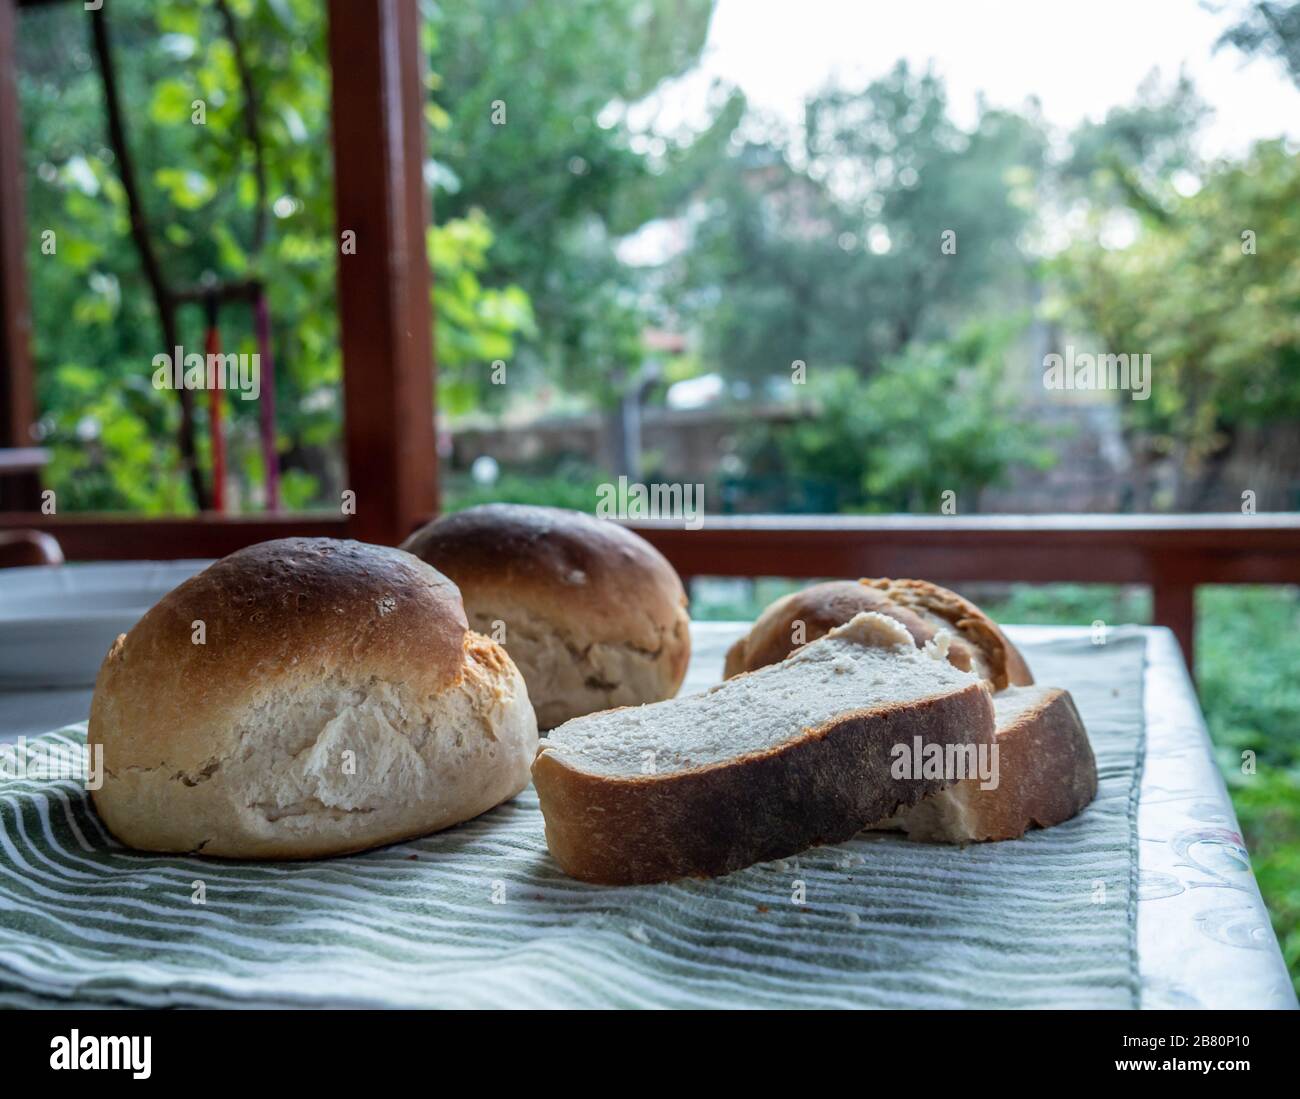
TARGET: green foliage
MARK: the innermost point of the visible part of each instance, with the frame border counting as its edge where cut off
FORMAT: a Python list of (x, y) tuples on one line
[(821, 246), (107, 457), (1268, 807), (1254, 705), (1217, 310), (570, 488), (828, 249), (727, 599), (935, 418), (1069, 604), (533, 98), (199, 194), (476, 326), (551, 179), (1132, 154), (1271, 27)]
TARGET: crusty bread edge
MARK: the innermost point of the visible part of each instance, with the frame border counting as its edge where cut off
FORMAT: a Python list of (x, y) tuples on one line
[(129, 805), (820, 787), (517, 563), (1046, 776), (1007, 666)]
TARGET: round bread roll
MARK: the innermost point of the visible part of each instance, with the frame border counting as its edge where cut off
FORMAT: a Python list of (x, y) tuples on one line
[(593, 615), (306, 697), (923, 608)]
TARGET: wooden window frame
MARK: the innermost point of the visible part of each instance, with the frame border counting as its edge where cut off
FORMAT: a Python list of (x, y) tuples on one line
[(385, 313)]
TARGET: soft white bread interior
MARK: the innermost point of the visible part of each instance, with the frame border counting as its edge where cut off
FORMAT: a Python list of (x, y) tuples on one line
[(1044, 769), (593, 615), (759, 767), (306, 697)]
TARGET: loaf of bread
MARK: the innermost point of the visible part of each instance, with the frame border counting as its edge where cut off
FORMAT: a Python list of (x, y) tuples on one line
[(306, 697), (924, 609), (761, 766), (1045, 774), (593, 615)]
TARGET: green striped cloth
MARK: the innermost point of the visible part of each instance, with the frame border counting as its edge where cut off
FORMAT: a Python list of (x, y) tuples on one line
[(479, 916)]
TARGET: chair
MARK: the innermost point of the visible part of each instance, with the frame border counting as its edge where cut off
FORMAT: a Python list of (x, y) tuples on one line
[(28, 547)]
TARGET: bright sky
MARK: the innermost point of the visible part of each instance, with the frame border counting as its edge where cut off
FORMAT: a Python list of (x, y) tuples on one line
[(1079, 57)]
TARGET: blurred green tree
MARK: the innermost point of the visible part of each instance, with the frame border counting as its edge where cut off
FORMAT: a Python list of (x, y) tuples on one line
[(1133, 154), (1271, 27), (535, 99), (112, 434), (935, 418), (885, 223), (1211, 290)]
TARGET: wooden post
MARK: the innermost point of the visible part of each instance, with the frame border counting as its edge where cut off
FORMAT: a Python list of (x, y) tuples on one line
[(384, 285), (17, 387), (1174, 605)]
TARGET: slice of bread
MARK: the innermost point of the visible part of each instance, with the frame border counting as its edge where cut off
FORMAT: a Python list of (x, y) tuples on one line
[(760, 767), (1045, 774)]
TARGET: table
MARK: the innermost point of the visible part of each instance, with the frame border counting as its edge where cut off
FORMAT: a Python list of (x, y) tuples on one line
[(1204, 938)]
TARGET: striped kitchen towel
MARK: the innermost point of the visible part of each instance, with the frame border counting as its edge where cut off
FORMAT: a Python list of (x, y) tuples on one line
[(480, 916)]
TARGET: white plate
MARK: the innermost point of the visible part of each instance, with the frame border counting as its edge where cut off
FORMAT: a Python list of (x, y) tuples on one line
[(58, 621)]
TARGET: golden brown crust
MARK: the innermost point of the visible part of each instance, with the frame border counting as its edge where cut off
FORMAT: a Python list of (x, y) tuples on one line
[(305, 698), (923, 608), (1005, 666), (821, 787), (148, 815), (594, 615), (270, 615)]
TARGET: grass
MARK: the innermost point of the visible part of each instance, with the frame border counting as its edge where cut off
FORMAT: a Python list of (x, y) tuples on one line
[(1247, 659)]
